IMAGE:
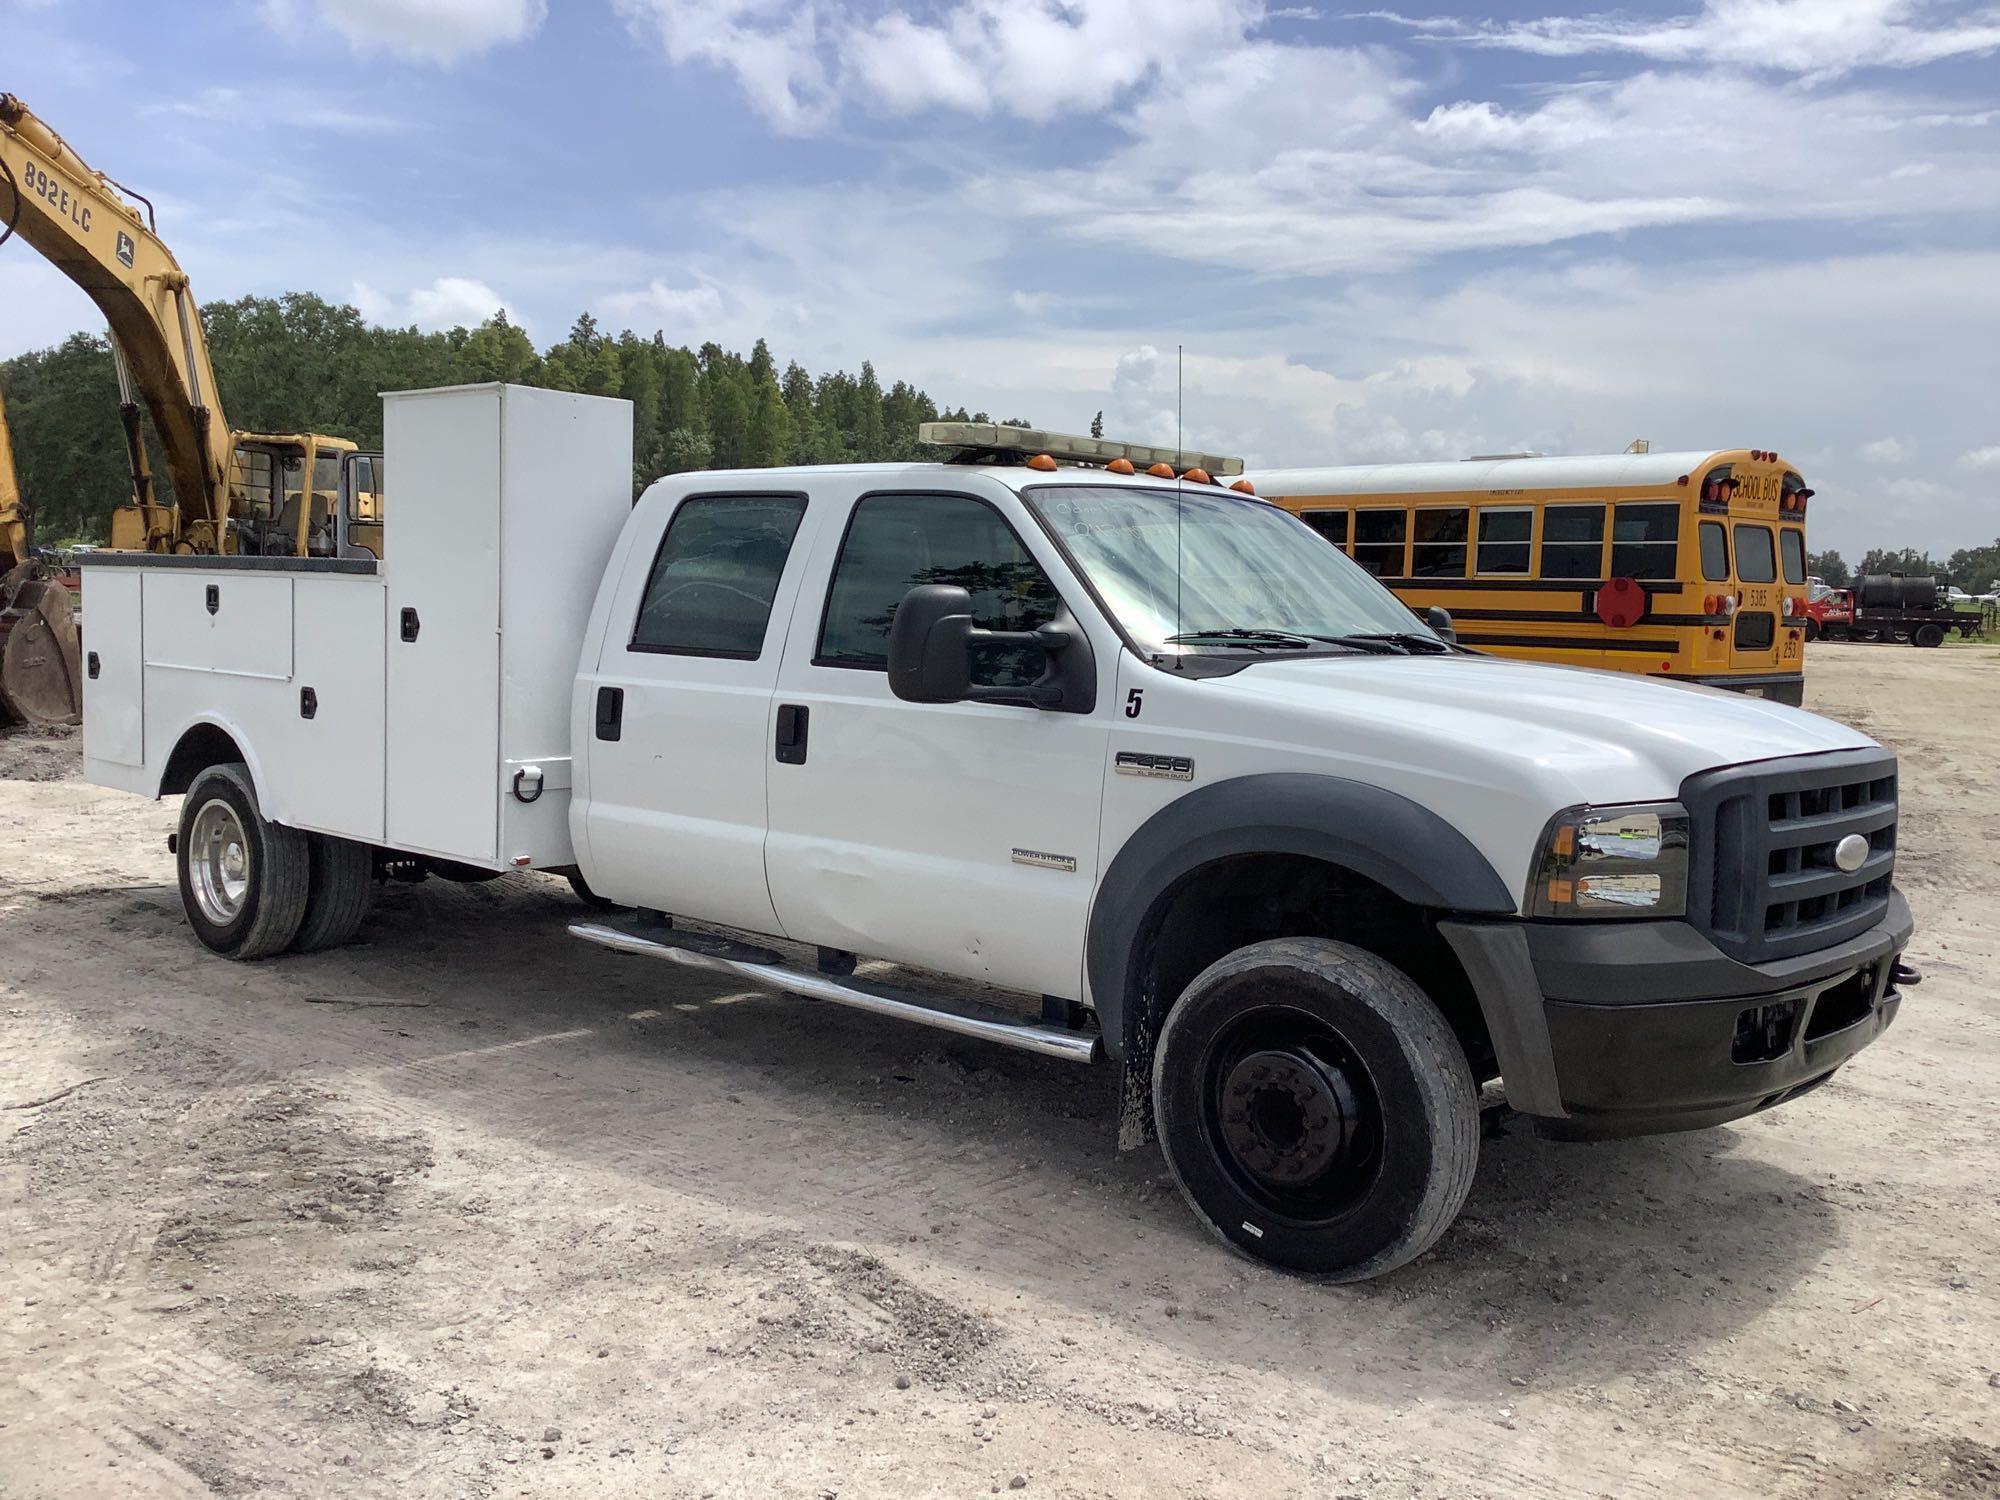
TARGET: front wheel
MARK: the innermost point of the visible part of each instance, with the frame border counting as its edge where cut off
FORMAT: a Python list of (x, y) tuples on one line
[(1316, 1109), (244, 881), (1812, 628)]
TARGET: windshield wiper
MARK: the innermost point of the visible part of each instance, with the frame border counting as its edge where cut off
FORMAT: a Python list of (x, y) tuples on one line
[(1407, 642), (1281, 640)]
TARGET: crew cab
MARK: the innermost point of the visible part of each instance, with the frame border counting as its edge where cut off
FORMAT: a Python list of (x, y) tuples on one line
[(1102, 734)]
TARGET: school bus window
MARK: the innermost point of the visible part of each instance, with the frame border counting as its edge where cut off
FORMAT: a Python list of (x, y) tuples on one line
[(1503, 540), (1378, 541), (1755, 562), (1645, 539), (1331, 524), (1438, 543), (1714, 552), (1573, 541), (1793, 543)]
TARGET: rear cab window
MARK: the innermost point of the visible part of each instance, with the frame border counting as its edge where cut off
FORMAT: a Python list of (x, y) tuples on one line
[(713, 578)]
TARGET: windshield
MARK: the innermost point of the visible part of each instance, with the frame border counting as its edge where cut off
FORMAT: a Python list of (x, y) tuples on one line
[(1196, 570)]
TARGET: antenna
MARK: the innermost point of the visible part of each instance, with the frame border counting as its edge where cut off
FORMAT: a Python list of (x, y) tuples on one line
[(1180, 624)]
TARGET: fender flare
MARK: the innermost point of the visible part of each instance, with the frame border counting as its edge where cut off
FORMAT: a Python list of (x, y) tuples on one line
[(1379, 834), (221, 724)]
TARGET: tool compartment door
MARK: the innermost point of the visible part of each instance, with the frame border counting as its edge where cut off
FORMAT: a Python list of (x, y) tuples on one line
[(442, 623), (114, 723)]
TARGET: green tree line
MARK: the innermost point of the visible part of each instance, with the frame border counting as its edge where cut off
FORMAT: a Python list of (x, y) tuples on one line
[(299, 363)]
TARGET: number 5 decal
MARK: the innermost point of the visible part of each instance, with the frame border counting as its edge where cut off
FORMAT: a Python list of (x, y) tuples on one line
[(1133, 701)]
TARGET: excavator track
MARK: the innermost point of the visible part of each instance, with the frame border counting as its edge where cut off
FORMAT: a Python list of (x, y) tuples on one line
[(41, 648)]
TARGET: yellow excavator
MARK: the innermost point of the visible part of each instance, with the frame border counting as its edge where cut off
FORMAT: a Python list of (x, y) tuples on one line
[(39, 647), (271, 493)]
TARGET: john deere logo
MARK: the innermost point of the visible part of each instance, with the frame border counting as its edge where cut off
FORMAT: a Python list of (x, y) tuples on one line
[(125, 248)]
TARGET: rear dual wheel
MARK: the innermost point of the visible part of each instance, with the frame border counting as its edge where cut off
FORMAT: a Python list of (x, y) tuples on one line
[(1315, 1108), (253, 888)]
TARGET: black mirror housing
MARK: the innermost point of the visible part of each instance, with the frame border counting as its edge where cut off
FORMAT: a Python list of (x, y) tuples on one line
[(930, 645), (930, 655), (1439, 619)]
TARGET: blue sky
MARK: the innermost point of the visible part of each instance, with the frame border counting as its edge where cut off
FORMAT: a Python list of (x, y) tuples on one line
[(1424, 231)]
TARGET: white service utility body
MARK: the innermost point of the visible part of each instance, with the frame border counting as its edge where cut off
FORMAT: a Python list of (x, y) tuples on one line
[(1142, 751)]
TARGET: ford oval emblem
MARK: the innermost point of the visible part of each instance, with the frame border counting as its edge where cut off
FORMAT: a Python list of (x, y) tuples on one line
[(1851, 853)]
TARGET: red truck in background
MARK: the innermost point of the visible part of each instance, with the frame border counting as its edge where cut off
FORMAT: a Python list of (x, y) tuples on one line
[(1831, 613)]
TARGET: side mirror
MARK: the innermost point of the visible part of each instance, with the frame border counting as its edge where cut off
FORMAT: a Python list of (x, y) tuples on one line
[(930, 655), (1439, 619), (930, 645)]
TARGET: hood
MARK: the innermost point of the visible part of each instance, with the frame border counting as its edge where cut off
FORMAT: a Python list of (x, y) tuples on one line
[(1612, 735)]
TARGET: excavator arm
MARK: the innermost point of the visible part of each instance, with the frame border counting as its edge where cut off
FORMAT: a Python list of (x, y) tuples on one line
[(40, 677), (82, 222)]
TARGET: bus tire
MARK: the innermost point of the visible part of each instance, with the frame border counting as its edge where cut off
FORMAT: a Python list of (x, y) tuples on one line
[(244, 880), (1316, 1109), (1927, 635), (341, 887)]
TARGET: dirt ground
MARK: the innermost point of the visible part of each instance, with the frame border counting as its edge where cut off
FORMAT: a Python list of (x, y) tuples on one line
[(472, 1209)]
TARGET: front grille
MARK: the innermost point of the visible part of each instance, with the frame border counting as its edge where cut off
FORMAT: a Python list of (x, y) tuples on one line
[(1763, 883)]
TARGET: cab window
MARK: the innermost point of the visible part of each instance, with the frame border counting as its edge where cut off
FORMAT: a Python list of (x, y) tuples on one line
[(714, 577), (895, 543), (1755, 560), (1378, 540), (1645, 540), (1714, 552), (1438, 543), (1792, 542), (1331, 524), (1503, 540), (1573, 541)]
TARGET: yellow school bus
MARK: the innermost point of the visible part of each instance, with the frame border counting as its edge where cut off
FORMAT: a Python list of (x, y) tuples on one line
[(1682, 565)]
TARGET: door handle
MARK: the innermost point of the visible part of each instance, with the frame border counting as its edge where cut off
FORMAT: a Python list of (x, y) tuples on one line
[(792, 721), (411, 624), (610, 712)]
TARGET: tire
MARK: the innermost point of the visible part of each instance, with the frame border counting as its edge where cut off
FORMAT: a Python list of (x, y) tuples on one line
[(1286, 1035), (1927, 636), (244, 881), (589, 897), (1812, 628), (340, 888)]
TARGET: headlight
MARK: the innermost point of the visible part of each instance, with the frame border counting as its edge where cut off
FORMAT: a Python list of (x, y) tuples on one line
[(1627, 861)]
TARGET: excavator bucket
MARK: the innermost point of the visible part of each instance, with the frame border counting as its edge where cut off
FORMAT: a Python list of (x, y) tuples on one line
[(41, 675)]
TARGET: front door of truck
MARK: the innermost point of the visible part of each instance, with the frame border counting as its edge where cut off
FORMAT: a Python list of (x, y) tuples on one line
[(960, 837), (678, 711)]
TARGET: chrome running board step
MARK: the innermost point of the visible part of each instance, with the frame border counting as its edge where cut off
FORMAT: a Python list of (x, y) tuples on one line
[(701, 950)]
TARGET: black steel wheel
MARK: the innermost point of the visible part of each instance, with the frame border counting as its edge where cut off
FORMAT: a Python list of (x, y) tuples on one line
[(1927, 635), (1315, 1108)]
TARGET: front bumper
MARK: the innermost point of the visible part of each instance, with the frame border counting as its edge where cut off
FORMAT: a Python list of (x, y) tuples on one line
[(1613, 1029)]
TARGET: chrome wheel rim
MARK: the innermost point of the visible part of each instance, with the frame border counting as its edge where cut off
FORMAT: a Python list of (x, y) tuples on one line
[(218, 861)]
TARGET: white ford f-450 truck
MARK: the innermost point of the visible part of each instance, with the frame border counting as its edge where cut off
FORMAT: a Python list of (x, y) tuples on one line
[(1140, 750)]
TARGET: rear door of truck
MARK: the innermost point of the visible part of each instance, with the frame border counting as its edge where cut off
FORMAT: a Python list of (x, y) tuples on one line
[(679, 708)]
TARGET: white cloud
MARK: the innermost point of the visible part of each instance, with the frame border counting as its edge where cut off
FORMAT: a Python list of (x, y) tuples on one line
[(693, 312), (448, 302), (1981, 460), (1886, 451), (438, 31), (1822, 38), (772, 47)]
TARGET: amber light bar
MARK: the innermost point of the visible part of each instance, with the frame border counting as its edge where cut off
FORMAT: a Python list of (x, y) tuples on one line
[(973, 439)]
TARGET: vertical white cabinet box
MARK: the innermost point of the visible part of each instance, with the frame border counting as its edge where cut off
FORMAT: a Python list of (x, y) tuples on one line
[(503, 505)]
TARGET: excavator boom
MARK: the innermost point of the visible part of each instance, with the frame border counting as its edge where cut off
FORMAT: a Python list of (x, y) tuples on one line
[(81, 221)]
